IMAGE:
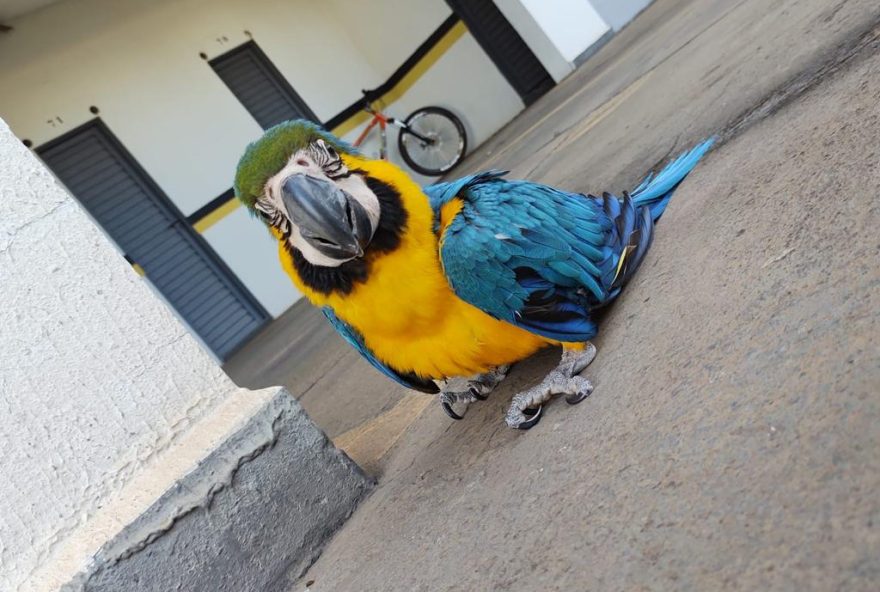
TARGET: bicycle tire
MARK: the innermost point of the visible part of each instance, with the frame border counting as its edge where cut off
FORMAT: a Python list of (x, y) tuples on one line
[(432, 171)]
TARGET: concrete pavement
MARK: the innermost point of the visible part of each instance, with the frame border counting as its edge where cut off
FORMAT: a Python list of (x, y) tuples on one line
[(301, 351), (731, 442)]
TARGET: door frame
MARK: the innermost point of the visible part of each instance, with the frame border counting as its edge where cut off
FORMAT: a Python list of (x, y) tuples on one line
[(251, 46)]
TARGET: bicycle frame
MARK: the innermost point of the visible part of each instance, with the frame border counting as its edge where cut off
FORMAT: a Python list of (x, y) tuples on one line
[(384, 121)]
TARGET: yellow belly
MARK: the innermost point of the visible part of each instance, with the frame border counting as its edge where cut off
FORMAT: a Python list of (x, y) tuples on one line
[(406, 311), (460, 341), (411, 319)]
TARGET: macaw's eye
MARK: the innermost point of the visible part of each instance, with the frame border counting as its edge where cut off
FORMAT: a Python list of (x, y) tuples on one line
[(331, 152), (265, 210)]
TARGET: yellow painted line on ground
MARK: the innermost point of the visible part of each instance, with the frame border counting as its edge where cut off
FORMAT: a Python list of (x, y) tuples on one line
[(370, 441), (217, 215), (138, 270), (604, 111), (593, 119)]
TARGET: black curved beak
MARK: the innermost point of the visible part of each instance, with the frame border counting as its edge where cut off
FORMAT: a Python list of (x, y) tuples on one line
[(330, 219)]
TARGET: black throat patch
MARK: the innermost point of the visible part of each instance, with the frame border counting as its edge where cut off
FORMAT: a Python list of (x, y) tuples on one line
[(342, 279)]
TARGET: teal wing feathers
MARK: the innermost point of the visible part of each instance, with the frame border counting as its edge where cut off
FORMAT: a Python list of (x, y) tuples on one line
[(526, 253), (544, 259)]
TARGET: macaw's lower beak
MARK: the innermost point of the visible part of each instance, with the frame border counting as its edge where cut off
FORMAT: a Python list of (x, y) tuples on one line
[(327, 217)]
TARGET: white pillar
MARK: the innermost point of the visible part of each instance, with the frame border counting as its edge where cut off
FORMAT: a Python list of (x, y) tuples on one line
[(557, 32), (107, 402), (96, 375)]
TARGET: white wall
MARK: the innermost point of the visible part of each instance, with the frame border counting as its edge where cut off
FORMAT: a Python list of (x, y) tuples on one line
[(572, 25), (138, 62), (97, 378), (386, 32), (464, 79), (536, 38), (256, 265)]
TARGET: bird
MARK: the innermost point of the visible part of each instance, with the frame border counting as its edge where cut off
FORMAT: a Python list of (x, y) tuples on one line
[(459, 279)]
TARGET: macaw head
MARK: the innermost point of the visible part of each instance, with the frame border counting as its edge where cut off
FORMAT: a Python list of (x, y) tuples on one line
[(331, 208), (295, 179)]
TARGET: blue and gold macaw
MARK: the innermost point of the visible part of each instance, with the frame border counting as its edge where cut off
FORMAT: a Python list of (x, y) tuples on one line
[(458, 279)]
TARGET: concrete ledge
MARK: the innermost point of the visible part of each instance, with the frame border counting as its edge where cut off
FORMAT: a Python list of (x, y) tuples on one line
[(252, 513)]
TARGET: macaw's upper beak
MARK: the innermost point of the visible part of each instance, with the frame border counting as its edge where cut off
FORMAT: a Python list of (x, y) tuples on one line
[(327, 217)]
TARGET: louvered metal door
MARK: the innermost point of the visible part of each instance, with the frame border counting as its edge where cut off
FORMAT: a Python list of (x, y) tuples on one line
[(505, 47), (152, 233), (259, 86)]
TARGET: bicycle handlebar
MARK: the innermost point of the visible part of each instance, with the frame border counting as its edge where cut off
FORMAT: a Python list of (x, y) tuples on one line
[(368, 99)]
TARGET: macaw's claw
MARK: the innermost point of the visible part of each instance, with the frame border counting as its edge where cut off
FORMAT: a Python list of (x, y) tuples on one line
[(447, 400), (576, 398), (533, 417), (562, 380), (483, 384), (478, 389), (447, 408), (475, 391)]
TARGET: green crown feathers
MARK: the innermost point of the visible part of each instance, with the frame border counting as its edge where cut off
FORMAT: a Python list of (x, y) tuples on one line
[(268, 155)]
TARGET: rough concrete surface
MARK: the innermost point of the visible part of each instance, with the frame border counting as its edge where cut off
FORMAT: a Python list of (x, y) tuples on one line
[(250, 515), (731, 442), (97, 378)]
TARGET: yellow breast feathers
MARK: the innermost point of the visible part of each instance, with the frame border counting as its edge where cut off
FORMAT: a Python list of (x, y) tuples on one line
[(405, 309)]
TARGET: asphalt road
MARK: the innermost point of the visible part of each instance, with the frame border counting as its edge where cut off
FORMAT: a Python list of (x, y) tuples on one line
[(731, 442)]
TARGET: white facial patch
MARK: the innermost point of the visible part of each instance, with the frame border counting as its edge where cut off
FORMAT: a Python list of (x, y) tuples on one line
[(320, 161)]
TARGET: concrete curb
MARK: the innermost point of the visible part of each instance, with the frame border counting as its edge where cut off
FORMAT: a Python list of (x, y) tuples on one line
[(252, 514)]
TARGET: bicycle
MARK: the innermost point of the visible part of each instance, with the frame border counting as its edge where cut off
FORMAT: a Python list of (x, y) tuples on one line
[(432, 140)]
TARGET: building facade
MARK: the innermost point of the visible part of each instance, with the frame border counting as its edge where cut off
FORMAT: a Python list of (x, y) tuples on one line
[(142, 109)]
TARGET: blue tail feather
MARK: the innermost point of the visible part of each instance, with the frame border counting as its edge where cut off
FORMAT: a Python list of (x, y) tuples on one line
[(655, 191)]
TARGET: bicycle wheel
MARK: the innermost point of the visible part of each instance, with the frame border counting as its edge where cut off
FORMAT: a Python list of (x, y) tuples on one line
[(433, 141)]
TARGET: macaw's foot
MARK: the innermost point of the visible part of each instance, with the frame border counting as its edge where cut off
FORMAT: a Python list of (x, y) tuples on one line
[(483, 384), (525, 409), (450, 398), (477, 389)]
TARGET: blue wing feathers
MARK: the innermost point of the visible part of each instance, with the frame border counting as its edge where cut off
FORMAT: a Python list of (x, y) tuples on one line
[(506, 226), (543, 259), (655, 191)]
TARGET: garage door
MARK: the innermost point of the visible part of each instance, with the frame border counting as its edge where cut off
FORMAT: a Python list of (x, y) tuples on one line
[(505, 47), (117, 192), (259, 86)]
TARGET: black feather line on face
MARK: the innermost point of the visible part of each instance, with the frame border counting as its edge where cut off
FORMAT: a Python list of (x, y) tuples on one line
[(342, 279), (392, 218)]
